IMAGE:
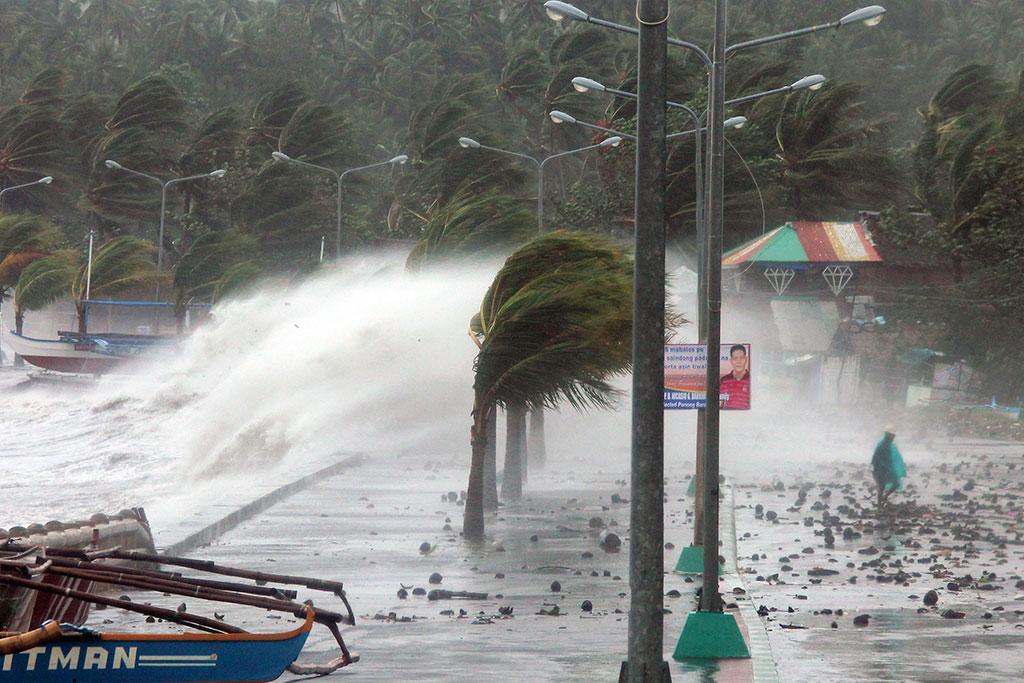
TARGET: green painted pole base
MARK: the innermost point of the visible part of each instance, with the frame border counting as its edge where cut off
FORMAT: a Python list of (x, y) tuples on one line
[(691, 561), (711, 635)]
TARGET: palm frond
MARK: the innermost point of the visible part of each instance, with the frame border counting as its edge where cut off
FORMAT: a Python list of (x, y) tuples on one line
[(46, 280), (121, 265)]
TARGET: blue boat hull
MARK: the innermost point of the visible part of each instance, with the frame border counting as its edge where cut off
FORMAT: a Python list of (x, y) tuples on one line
[(137, 658)]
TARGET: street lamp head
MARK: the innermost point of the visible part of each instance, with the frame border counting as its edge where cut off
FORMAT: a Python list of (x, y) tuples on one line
[(869, 16), (813, 82), (735, 122), (469, 143), (613, 141), (45, 180), (112, 164), (280, 156), (400, 159), (561, 117), (219, 173), (582, 84), (561, 10)]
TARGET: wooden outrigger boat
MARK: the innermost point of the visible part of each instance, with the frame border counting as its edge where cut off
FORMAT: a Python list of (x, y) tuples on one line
[(220, 652)]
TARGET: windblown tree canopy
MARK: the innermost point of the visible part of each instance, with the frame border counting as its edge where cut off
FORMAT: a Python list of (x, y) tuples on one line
[(124, 264), (201, 269), (176, 88), (24, 239), (473, 225), (554, 326), (42, 282)]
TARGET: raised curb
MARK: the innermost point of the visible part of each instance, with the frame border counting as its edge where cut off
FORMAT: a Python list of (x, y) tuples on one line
[(762, 660), (229, 521)]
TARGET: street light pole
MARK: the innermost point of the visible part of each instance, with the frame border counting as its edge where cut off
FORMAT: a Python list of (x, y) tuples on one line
[(340, 180), (164, 184), (470, 143), (710, 600), (645, 661)]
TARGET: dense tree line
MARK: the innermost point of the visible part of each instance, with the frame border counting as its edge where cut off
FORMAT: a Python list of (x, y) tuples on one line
[(178, 87)]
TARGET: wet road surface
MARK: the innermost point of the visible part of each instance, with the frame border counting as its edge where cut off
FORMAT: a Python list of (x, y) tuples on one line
[(365, 528)]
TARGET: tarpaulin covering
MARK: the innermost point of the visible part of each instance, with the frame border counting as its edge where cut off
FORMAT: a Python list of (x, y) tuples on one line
[(803, 244)]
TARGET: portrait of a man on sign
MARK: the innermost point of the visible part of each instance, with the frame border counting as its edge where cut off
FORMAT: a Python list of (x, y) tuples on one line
[(734, 388)]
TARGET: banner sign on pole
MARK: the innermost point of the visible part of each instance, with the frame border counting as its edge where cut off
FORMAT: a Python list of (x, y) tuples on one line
[(686, 376)]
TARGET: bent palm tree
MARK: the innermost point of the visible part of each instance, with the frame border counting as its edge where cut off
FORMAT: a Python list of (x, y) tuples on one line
[(42, 282), (121, 265), (203, 265), (23, 239), (548, 335), (472, 224)]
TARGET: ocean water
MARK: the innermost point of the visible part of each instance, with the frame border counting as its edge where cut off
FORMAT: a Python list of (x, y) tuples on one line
[(361, 358)]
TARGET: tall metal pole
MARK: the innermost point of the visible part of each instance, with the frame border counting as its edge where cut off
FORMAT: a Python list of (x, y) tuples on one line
[(698, 498), (160, 237), (540, 198), (160, 241), (647, 523), (710, 600), (337, 242), (88, 268)]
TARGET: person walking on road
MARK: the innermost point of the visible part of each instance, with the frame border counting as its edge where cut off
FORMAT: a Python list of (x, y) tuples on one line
[(887, 466)]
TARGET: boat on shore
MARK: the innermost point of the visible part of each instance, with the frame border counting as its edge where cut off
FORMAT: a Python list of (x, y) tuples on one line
[(119, 332), (84, 354), (212, 651)]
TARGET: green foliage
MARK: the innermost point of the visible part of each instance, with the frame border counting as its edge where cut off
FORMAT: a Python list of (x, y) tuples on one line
[(176, 88), (237, 279), (153, 103), (555, 324), (26, 232), (46, 280), (201, 268), (473, 225), (122, 265), (279, 211), (273, 112), (24, 238), (318, 134), (829, 160), (30, 144)]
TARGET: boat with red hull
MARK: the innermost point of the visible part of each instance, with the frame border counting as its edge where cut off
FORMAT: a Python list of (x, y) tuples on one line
[(85, 354)]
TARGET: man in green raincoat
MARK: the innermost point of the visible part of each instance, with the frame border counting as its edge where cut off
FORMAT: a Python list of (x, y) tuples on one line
[(887, 465)]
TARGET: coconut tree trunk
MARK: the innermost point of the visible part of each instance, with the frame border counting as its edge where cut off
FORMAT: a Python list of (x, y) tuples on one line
[(515, 443), (535, 444), (179, 318), (473, 518), (19, 325), (490, 462)]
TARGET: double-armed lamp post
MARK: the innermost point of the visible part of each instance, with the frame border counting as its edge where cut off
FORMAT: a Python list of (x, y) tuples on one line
[(470, 143), (339, 178), (164, 184), (708, 632)]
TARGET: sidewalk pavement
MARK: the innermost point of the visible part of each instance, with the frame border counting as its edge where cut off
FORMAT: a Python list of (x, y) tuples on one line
[(365, 527)]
